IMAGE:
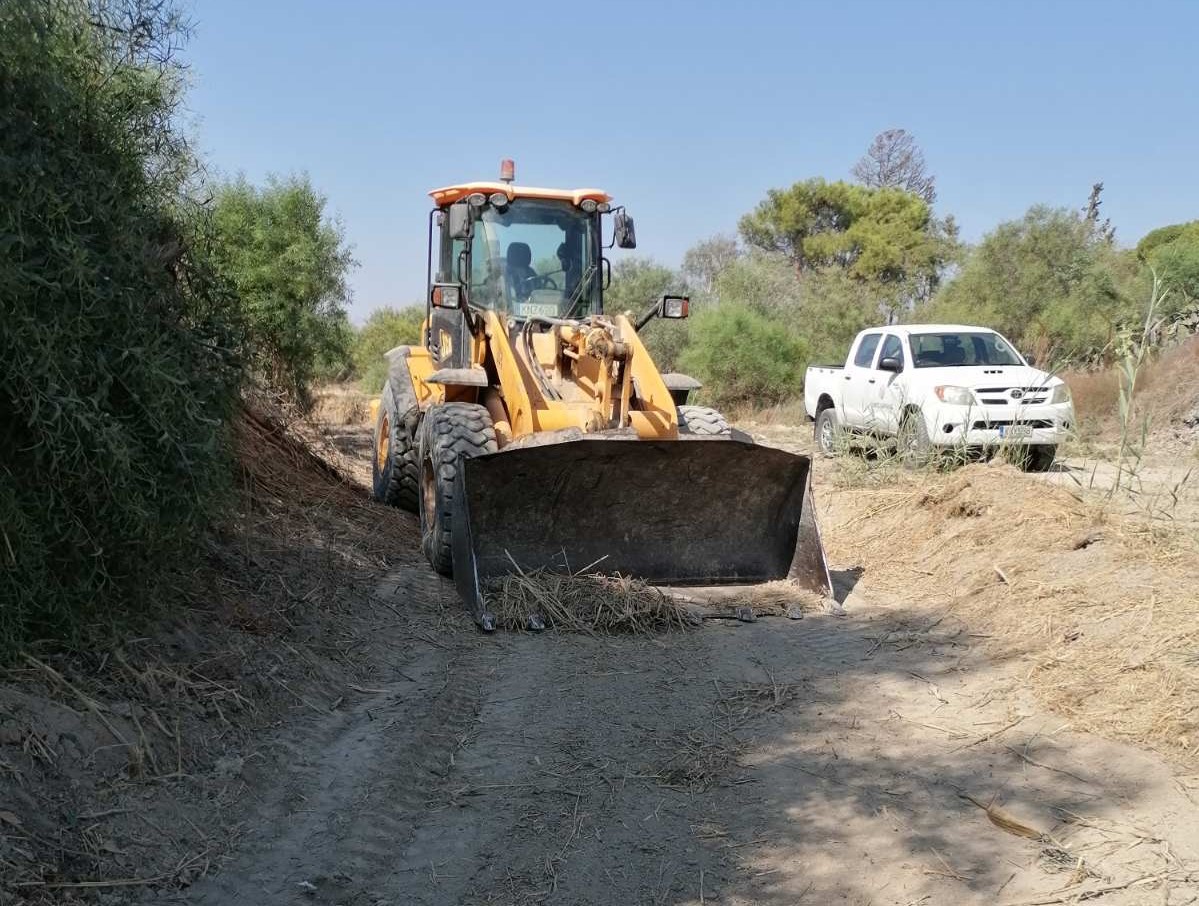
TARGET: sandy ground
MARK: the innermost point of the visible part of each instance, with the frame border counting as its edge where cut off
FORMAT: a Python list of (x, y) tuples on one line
[(877, 758), (825, 761), (887, 756)]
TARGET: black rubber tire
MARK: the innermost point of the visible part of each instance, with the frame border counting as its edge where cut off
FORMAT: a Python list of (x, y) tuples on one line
[(702, 420), (827, 432), (1038, 458), (396, 480), (449, 434), (914, 445)]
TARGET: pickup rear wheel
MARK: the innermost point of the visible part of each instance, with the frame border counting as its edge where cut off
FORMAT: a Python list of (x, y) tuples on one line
[(828, 432)]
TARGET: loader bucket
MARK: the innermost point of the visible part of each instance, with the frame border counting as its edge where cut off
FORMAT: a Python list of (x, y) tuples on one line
[(695, 511)]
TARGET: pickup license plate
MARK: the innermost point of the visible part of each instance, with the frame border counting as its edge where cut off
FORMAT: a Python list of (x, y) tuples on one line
[(1014, 431)]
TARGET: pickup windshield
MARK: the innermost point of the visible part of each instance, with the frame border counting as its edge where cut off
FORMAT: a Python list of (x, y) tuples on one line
[(941, 350)]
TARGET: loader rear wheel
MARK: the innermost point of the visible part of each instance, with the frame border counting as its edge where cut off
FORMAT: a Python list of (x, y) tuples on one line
[(702, 420), (450, 433), (394, 472)]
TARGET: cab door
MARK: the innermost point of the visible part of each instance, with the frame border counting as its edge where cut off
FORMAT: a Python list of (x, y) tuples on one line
[(857, 374), (885, 389)]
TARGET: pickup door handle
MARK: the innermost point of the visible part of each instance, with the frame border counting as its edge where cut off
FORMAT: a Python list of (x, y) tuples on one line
[(871, 381), (848, 378)]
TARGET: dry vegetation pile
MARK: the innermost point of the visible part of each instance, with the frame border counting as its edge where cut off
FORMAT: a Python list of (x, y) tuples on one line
[(583, 602), (114, 756), (1101, 607)]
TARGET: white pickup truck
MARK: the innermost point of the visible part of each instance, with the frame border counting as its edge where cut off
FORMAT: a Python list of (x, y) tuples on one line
[(940, 386)]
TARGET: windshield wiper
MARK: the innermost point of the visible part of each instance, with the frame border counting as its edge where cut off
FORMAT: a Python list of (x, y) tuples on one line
[(577, 296)]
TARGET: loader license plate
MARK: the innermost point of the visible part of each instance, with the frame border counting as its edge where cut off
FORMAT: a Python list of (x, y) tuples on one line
[(1014, 431), (537, 309)]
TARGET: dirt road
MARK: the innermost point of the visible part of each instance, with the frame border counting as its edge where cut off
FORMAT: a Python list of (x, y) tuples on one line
[(829, 760)]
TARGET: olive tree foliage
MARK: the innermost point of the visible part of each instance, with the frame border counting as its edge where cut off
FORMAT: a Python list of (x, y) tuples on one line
[(1173, 254), (637, 283), (288, 262), (1051, 281), (385, 329), (885, 238), (118, 372), (895, 161), (826, 308), (705, 261), (743, 357)]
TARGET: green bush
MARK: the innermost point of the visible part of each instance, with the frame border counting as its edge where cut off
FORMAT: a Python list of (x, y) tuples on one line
[(288, 263), (744, 357), (117, 378), (385, 329), (1049, 282)]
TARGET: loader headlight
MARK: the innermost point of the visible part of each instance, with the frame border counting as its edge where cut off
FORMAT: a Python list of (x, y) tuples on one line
[(589, 205), (675, 306), (447, 295), (1061, 394), (955, 396)]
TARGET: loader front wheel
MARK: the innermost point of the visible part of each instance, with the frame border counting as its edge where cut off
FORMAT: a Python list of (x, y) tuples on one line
[(702, 420), (449, 434), (395, 472)]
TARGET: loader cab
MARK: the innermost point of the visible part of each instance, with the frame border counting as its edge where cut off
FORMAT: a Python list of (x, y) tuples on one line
[(522, 251)]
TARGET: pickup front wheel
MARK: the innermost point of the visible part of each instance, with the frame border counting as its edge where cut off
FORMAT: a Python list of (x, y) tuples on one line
[(915, 448), (828, 432)]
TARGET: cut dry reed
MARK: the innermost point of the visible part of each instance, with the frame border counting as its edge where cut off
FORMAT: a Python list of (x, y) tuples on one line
[(583, 602)]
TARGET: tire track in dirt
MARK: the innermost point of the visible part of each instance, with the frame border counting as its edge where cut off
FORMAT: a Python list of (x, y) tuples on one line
[(350, 790), (563, 769)]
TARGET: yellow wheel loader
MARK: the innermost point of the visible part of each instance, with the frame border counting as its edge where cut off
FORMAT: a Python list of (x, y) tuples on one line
[(530, 428)]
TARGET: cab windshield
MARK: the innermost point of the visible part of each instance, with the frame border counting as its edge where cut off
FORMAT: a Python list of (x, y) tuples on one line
[(535, 258), (938, 350)]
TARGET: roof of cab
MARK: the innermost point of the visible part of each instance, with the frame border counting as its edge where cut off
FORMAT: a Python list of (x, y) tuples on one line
[(910, 329), (450, 194)]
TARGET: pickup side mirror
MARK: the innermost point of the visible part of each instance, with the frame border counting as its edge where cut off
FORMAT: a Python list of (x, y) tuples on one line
[(623, 231), (461, 226), (890, 363), (1031, 359)]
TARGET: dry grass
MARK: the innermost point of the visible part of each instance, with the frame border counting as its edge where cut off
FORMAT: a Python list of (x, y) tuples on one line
[(1167, 389), (1101, 607), (583, 602), (340, 404), (281, 615)]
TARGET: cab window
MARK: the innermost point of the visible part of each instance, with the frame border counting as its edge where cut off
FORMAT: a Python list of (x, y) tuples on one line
[(535, 258), (865, 354), (892, 349)]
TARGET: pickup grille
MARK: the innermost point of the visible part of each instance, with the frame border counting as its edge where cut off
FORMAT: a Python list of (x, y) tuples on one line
[(1002, 396), (1008, 422)]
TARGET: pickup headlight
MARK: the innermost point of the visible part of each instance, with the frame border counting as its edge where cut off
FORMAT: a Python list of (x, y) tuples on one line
[(1061, 394), (955, 396)]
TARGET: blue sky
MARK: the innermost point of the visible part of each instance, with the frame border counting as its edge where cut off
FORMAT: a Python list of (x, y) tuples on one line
[(689, 112)]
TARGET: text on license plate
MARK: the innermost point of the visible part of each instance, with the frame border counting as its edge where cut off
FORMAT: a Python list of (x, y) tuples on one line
[(1015, 431)]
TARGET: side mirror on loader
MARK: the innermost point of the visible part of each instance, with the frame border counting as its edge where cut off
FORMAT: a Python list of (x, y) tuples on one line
[(461, 226), (624, 233)]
